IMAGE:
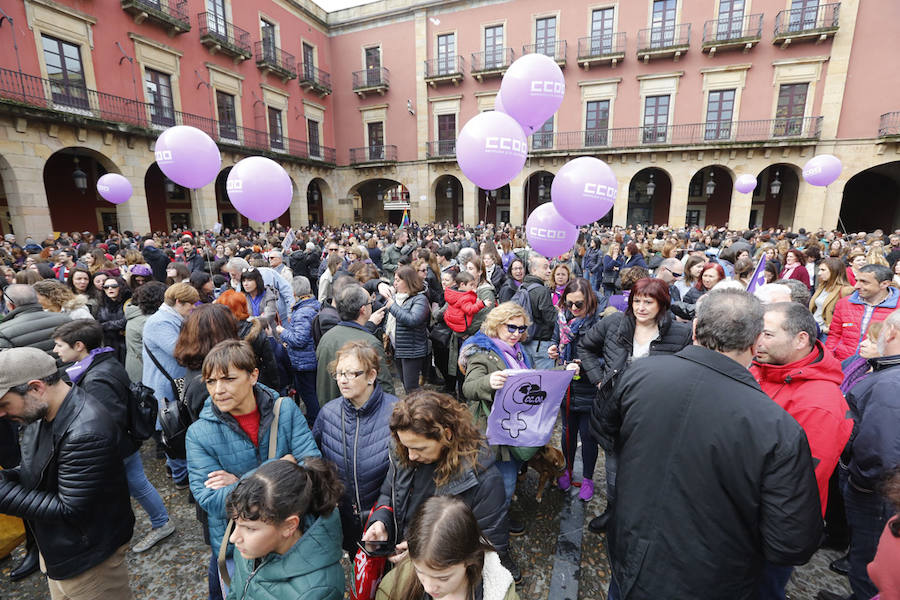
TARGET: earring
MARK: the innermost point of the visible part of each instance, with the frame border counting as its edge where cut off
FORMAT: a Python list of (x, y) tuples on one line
[(371, 383)]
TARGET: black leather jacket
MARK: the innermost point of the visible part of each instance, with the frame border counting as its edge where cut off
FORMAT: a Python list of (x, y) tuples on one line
[(71, 487)]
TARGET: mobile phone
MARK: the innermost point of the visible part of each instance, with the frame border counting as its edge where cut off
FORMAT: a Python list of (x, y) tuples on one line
[(377, 548)]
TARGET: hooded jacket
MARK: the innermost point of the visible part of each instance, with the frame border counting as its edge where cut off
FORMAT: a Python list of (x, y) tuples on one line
[(845, 333), (461, 309), (310, 570), (298, 334), (809, 390)]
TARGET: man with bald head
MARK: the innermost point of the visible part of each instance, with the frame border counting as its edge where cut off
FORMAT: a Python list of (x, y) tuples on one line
[(26, 322)]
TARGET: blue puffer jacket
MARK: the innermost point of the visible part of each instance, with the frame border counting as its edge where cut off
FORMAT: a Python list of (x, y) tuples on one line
[(365, 442), (216, 442), (298, 334), (411, 336)]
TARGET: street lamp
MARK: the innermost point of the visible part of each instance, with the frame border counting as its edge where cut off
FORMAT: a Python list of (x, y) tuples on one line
[(79, 177), (380, 195), (775, 186), (710, 185), (651, 187), (315, 194)]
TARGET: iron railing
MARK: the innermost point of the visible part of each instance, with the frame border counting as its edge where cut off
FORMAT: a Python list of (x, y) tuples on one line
[(309, 73), (154, 117), (555, 49), (270, 55), (370, 78), (228, 34), (730, 30), (492, 60), (170, 11), (440, 148), (598, 46), (444, 66), (369, 154), (664, 37), (889, 124), (807, 20)]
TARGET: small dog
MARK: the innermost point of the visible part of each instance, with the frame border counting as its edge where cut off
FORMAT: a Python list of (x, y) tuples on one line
[(549, 462)]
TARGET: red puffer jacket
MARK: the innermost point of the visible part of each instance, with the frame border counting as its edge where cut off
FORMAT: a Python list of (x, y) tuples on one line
[(844, 335), (809, 391), (461, 309)]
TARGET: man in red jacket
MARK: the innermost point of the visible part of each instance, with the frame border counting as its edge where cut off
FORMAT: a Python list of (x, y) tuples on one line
[(804, 378), (872, 301)]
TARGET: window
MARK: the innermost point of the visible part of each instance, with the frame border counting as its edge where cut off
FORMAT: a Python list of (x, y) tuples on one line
[(376, 141), (656, 119), (227, 115), (790, 110), (446, 54), (543, 137), (596, 123), (309, 62), (65, 71), (493, 47), (692, 218), (373, 66), (719, 112), (312, 134), (662, 30), (545, 36), (267, 32), (602, 31), (215, 18), (159, 97), (803, 15), (730, 25), (446, 134), (276, 133)]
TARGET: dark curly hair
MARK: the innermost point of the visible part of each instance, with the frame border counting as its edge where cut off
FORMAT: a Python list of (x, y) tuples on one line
[(149, 297)]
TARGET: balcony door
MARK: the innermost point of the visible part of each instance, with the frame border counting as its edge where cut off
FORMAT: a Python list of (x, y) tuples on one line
[(803, 15), (65, 72), (602, 31), (309, 62), (215, 18), (267, 32), (656, 119), (159, 97), (662, 28), (373, 66), (493, 47), (542, 139), (719, 113), (545, 36), (276, 131), (312, 135), (446, 134), (596, 123), (446, 53), (730, 25), (376, 141), (791, 108)]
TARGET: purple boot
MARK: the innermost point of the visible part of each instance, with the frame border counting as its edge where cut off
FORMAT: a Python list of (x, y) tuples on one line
[(587, 489), (565, 480)]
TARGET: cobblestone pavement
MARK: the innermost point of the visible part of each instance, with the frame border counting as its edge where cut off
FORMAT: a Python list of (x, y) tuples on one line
[(176, 568)]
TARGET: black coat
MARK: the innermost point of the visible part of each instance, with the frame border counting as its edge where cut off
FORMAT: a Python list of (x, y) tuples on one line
[(265, 356), (713, 480), (107, 381), (30, 326), (157, 260), (71, 487), (111, 316), (543, 313)]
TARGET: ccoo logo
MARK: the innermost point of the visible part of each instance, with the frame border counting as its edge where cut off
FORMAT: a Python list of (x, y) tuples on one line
[(505, 145), (814, 170), (163, 156), (234, 185), (548, 88), (598, 190), (102, 188), (547, 234)]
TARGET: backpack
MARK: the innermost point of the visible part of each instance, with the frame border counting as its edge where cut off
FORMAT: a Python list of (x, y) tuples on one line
[(142, 411), (523, 299)]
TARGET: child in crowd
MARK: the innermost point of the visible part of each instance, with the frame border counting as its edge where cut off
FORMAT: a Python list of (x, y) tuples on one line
[(462, 303)]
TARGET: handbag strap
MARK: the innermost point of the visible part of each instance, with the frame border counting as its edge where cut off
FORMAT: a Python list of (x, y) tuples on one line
[(166, 373), (223, 547)]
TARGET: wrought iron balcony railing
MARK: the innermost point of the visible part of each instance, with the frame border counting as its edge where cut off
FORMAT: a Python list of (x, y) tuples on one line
[(441, 149), (218, 33), (664, 38), (889, 124), (370, 154), (371, 78), (811, 20), (171, 14), (599, 46), (721, 31), (79, 101), (315, 78), (492, 60), (444, 66), (554, 49), (271, 57)]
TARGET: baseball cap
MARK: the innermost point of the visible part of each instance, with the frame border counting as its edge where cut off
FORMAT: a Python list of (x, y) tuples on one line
[(21, 365)]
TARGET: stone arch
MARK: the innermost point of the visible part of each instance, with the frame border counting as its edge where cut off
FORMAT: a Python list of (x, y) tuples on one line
[(774, 201), (447, 191), (71, 208), (379, 200), (536, 190), (649, 197), (871, 199), (168, 204), (228, 216), (709, 196), (494, 205)]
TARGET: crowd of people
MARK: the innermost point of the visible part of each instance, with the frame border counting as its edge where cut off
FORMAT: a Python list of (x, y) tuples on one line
[(333, 387)]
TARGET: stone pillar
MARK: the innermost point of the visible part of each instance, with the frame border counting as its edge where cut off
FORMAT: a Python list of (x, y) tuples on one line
[(739, 215), (678, 199), (422, 200), (620, 208), (134, 215), (299, 210), (831, 211), (517, 214), (23, 181), (470, 202)]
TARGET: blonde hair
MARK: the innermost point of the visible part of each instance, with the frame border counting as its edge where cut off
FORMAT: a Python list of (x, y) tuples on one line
[(502, 313), (183, 292), (875, 256)]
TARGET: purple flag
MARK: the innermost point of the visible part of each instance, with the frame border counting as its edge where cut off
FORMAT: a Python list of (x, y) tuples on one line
[(759, 277), (524, 411)]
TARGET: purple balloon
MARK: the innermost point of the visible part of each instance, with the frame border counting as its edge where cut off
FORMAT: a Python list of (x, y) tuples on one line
[(188, 156), (745, 183), (548, 233), (533, 88), (259, 188), (584, 190), (498, 106), (114, 188), (491, 149), (822, 169)]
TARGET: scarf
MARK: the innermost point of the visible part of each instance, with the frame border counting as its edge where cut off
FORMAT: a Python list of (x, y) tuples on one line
[(255, 303), (391, 327), (568, 334), (513, 356), (77, 370), (789, 270), (557, 294)]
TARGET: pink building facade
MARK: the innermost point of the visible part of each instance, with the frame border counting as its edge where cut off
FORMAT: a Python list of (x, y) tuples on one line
[(363, 106)]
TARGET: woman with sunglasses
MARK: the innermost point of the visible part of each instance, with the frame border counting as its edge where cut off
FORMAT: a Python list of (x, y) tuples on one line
[(646, 328), (111, 314)]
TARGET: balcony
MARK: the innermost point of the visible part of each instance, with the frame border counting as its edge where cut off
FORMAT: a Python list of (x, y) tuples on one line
[(371, 81), (272, 59), (664, 42), (725, 34), (441, 150), (373, 155), (889, 126), (816, 23), (444, 69), (170, 14), (555, 50), (83, 107), (219, 35), (601, 49), (314, 79), (491, 63)]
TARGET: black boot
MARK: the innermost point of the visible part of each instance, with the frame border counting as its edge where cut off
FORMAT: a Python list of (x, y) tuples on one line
[(509, 562), (29, 564), (598, 524), (841, 565)]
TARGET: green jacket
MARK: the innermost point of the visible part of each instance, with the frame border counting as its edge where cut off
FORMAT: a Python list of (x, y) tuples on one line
[(310, 570), (496, 581), (326, 387)]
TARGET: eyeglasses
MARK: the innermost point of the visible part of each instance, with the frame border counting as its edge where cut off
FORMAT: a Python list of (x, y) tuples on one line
[(113, 286), (674, 274), (348, 374), (516, 328), (576, 304)]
